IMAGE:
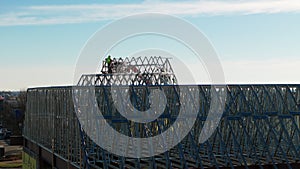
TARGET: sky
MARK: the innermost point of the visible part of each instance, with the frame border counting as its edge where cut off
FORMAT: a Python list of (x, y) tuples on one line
[(256, 41)]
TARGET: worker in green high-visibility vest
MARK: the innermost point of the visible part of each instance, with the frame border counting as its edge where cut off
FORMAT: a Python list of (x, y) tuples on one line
[(108, 61)]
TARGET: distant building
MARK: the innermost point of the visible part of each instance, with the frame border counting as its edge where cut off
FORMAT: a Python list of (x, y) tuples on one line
[(1, 102), (12, 102)]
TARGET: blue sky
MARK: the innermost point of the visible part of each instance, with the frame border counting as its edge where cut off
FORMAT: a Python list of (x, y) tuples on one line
[(257, 41)]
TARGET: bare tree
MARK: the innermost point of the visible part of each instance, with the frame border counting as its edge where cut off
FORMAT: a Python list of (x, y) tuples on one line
[(9, 110), (22, 99)]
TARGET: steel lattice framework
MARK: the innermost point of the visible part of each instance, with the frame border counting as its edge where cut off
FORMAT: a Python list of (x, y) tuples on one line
[(133, 71), (259, 128)]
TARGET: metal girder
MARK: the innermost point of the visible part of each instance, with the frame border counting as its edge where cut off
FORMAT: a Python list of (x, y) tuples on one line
[(154, 70), (260, 128)]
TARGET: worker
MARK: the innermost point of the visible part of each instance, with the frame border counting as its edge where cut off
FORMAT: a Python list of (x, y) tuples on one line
[(108, 61)]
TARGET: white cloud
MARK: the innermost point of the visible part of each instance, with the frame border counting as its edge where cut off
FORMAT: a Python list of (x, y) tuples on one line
[(62, 14)]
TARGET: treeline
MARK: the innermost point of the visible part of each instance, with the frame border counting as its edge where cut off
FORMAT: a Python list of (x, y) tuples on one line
[(12, 111)]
